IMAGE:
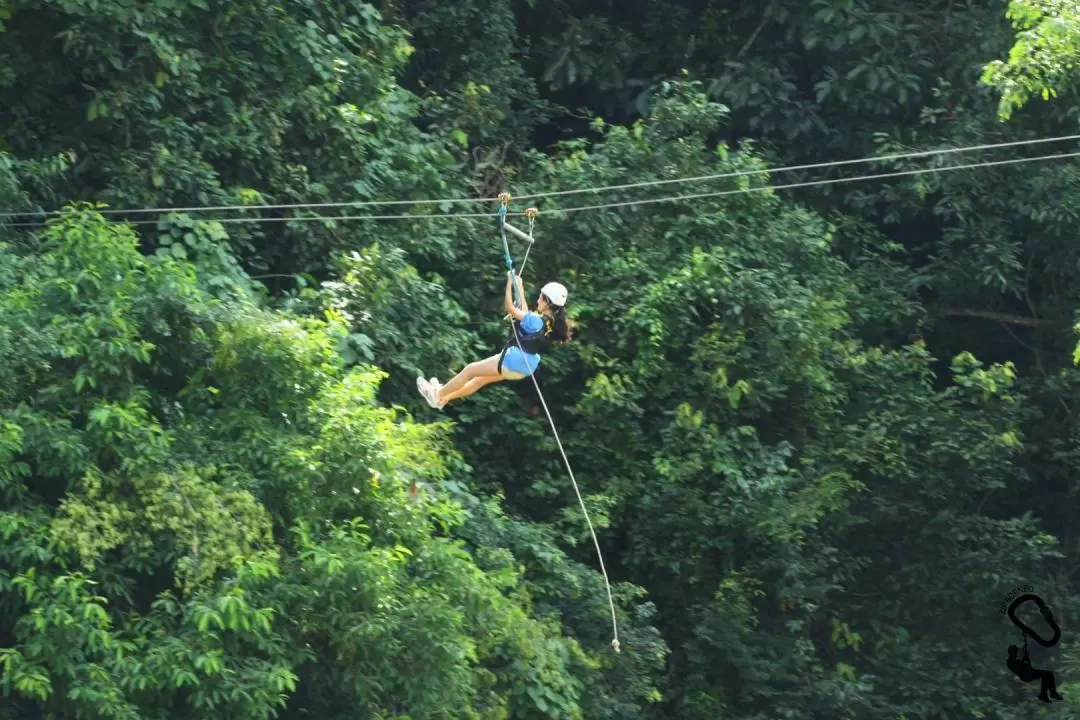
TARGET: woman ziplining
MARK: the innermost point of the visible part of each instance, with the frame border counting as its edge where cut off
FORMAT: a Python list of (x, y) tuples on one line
[(531, 335)]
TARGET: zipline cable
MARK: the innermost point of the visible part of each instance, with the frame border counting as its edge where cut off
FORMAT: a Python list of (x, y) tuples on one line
[(814, 183), (606, 206), (794, 168), (564, 193)]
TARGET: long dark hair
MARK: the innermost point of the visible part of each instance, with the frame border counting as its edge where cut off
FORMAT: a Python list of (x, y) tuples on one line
[(563, 327)]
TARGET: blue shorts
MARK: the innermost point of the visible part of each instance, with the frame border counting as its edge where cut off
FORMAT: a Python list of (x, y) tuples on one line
[(515, 364)]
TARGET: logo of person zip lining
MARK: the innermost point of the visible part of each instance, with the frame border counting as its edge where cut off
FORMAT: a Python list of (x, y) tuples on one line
[(1021, 667)]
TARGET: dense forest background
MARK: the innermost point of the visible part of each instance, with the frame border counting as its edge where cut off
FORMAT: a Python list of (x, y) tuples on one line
[(823, 432)]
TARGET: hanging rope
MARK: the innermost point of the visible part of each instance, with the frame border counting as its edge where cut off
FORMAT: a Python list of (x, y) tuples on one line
[(581, 501), (531, 214)]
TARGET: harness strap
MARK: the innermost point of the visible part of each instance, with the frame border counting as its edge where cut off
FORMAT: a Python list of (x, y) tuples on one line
[(505, 198)]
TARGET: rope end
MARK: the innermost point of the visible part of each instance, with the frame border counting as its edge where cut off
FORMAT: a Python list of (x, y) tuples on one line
[(615, 644)]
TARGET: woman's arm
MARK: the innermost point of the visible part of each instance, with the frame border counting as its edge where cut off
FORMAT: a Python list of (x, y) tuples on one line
[(508, 300)]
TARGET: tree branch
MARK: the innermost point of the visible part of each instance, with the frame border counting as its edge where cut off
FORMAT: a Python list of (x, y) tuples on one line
[(753, 35), (999, 317)]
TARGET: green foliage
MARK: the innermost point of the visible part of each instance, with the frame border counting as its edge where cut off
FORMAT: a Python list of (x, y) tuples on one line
[(1044, 56), (203, 509), (213, 103), (762, 464), (401, 322), (468, 66), (820, 435)]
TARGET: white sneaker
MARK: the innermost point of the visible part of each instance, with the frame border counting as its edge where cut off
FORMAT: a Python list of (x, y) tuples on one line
[(425, 389), (429, 393), (436, 388)]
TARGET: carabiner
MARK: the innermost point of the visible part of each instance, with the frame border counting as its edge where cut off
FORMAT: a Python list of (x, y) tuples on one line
[(1047, 615)]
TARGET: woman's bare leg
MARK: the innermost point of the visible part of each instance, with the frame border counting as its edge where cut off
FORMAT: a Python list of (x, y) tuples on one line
[(470, 387), (480, 368)]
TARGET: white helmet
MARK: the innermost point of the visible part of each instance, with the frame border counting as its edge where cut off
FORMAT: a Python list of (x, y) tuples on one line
[(555, 293)]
